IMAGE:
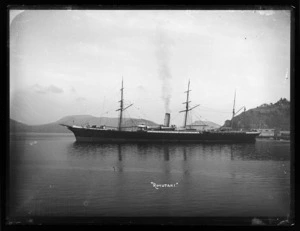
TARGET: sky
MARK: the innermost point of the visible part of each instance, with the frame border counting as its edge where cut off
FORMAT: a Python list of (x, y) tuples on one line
[(72, 62)]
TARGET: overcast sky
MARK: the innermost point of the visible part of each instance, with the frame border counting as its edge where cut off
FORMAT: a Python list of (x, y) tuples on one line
[(71, 62)]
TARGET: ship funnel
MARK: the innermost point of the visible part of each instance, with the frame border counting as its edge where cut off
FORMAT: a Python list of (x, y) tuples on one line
[(167, 120)]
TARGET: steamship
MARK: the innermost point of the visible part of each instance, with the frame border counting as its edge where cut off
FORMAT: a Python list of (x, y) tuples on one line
[(162, 133)]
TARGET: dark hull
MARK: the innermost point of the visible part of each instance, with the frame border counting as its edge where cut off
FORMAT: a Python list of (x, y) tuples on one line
[(114, 136)]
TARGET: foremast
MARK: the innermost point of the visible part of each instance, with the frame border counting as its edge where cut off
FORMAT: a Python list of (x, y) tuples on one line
[(121, 109), (187, 103)]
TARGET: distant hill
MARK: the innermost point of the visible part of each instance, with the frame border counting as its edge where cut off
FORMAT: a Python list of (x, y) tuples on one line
[(16, 126), (91, 120), (265, 116), (210, 125)]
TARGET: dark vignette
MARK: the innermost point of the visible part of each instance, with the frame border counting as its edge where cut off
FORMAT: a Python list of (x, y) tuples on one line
[(192, 221)]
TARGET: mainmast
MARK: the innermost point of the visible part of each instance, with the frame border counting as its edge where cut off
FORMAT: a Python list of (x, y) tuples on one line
[(121, 109), (187, 109)]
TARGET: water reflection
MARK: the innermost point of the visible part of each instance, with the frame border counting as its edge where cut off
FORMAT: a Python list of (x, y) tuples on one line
[(259, 151), (166, 153), (120, 152), (83, 179), (184, 153), (119, 162), (263, 150)]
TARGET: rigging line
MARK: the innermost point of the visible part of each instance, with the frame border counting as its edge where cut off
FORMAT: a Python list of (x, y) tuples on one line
[(131, 119), (198, 115), (211, 109), (215, 111), (107, 112), (188, 123), (190, 118), (141, 112), (207, 107), (97, 110), (201, 118), (193, 114), (223, 112)]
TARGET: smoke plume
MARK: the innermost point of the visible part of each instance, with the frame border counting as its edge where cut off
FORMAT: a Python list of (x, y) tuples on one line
[(163, 45)]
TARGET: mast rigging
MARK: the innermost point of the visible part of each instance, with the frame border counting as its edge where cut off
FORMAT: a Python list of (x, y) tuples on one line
[(187, 109), (121, 109), (233, 110)]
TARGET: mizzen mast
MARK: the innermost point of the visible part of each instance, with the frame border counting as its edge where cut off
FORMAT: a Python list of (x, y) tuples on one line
[(233, 110), (187, 109)]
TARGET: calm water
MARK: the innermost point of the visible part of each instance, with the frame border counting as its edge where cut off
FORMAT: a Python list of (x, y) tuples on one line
[(51, 175)]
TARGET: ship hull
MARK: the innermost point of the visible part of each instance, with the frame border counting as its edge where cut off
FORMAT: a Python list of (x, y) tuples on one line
[(114, 136)]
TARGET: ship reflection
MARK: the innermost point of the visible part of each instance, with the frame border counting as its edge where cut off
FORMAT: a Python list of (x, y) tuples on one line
[(185, 152), (119, 163), (185, 165), (120, 152), (166, 153)]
